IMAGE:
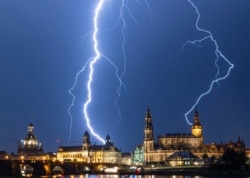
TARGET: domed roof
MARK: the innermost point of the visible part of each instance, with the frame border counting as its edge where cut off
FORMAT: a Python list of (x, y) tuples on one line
[(30, 142)]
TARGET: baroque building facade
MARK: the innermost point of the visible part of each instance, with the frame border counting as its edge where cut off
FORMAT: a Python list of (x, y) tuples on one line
[(170, 145), (107, 153)]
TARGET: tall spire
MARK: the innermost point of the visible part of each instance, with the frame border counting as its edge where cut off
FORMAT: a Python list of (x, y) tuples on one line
[(148, 118), (196, 111), (86, 141), (196, 116), (197, 127), (148, 114), (30, 128), (86, 137), (148, 132)]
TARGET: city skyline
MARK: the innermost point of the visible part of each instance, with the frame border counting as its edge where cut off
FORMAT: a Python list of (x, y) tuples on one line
[(40, 54)]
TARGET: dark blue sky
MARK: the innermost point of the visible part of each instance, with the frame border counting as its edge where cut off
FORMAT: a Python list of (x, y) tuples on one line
[(43, 44)]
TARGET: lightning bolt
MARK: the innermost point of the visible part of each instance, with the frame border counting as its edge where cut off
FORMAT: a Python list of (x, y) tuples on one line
[(118, 91), (123, 8), (98, 55), (91, 66), (74, 98), (92, 62), (219, 55)]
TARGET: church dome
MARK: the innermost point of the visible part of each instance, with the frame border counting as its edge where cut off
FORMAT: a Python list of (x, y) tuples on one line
[(30, 143)]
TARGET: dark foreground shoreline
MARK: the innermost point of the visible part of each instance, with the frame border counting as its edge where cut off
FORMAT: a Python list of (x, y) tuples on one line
[(183, 171), (12, 169), (202, 172)]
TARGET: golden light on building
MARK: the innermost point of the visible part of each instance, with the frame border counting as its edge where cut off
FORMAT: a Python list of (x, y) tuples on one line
[(89, 153), (166, 145)]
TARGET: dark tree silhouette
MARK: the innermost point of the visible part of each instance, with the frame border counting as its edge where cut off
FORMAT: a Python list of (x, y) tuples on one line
[(231, 157)]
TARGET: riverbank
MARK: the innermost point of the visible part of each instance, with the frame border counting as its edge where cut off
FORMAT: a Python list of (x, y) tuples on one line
[(191, 171), (11, 168)]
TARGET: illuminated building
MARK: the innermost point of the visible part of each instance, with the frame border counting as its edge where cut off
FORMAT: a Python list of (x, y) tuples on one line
[(182, 158), (138, 155), (126, 159), (170, 146), (90, 153), (30, 144), (30, 149)]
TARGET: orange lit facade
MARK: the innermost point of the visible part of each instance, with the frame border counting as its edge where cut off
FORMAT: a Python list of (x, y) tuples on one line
[(87, 153), (170, 144)]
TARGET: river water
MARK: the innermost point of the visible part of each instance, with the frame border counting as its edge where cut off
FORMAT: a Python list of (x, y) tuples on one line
[(145, 176)]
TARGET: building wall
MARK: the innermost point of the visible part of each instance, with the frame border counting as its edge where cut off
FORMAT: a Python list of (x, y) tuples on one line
[(138, 156), (166, 145), (91, 156), (181, 142), (105, 156), (70, 156)]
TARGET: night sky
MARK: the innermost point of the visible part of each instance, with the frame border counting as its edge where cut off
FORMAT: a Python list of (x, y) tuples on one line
[(44, 43)]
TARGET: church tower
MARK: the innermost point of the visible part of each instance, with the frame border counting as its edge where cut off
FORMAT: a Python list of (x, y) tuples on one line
[(86, 141), (108, 141), (148, 132), (197, 127)]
